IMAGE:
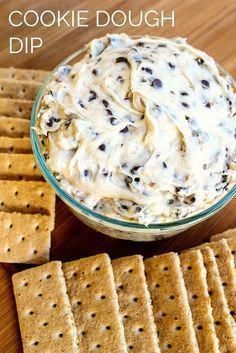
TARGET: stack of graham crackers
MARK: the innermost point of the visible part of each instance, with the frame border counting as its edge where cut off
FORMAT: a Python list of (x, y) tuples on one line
[(27, 204), (169, 303)]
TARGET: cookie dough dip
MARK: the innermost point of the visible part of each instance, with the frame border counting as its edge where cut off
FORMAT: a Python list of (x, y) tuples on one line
[(141, 130)]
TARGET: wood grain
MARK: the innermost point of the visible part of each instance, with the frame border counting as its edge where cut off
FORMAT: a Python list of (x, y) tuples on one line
[(209, 25)]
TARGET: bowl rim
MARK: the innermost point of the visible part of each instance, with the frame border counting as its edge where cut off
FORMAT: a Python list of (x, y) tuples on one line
[(68, 199)]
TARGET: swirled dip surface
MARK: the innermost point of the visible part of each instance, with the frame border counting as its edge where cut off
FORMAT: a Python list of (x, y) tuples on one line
[(141, 129)]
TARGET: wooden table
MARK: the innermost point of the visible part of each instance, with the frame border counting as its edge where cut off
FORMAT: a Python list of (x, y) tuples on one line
[(209, 25)]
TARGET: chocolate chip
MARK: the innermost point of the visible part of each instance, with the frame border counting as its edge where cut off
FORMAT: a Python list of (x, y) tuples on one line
[(195, 133), (156, 83), (185, 104), (224, 178), (50, 122), (138, 209), (50, 92), (137, 179), (105, 103), (94, 72), (53, 120), (93, 95), (126, 129), (184, 93), (120, 79), (86, 172), (179, 188), (134, 169), (171, 65), (109, 112), (102, 147), (81, 104), (189, 200), (205, 84), (122, 59), (162, 45), (147, 69), (164, 164), (208, 105), (66, 69), (113, 121), (171, 201), (199, 60), (140, 44), (187, 117), (124, 207), (156, 107), (137, 60), (128, 180)]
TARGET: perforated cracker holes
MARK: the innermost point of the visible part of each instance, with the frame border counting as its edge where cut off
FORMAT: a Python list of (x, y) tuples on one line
[(135, 305), (91, 290), (24, 238), (170, 304), (18, 167), (194, 274), (44, 312)]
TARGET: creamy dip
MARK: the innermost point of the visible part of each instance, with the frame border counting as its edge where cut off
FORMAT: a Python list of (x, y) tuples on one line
[(141, 129)]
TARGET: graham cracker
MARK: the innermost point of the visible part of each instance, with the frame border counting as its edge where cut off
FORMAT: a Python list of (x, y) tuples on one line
[(170, 304), (229, 233), (45, 317), (15, 89), (14, 127), (93, 297), (15, 108), (225, 263), (27, 197), (23, 74), (15, 145), (24, 238), (224, 324), (135, 305), (232, 245), (19, 167), (194, 274)]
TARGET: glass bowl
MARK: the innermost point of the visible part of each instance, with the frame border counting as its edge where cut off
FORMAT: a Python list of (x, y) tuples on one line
[(114, 227)]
